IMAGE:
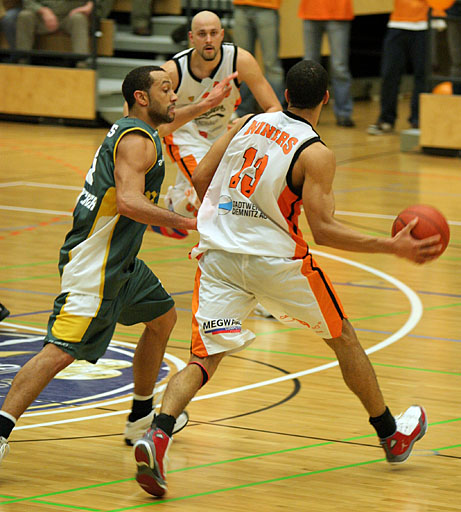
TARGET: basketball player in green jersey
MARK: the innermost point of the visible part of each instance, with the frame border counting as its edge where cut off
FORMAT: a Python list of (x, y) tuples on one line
[(102, 280)]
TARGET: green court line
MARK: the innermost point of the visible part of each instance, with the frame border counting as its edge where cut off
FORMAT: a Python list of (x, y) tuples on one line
[(429, 308), (30, 278), (326, 358), (23, 322), (429, 370), (54, 504), (432, 308), (245, 486), (67, 491), (169, 260), (166, 248), (238, 459), (26, 265), (63, 505)]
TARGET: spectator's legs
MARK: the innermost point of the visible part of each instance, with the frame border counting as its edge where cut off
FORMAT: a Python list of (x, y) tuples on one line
[(8, 25), (417, 52), (392, 68), (25, 29), (267, 23), (141, 14), (244, 35), (313, 32), (77, 26), (339, 37), (454, 45)]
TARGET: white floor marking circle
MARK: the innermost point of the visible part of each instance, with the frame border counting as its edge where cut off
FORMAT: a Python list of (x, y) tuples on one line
[(415, 315)]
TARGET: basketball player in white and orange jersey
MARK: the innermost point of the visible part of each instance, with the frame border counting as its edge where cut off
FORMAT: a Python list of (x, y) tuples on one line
[(194, 73), (253, 183)]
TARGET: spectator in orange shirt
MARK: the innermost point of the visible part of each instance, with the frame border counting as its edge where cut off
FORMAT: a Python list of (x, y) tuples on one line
[(335, 18)]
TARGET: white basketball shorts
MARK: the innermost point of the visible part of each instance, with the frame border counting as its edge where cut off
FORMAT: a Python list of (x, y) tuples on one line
[(228, 286)]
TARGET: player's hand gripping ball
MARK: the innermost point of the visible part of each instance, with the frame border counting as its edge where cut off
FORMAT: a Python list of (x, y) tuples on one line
[(430, 222)]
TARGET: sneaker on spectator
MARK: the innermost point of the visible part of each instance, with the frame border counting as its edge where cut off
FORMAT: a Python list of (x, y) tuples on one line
[(345, 122), (380, 128), (134, 430), (150, 453), (4, 448), (411, 426)]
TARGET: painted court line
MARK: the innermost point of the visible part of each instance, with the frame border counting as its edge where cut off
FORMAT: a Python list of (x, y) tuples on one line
[(250, 484), (413, 319)]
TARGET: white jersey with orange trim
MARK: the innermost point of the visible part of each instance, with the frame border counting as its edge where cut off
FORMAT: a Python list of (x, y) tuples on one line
[(251, 206), (197, 136)]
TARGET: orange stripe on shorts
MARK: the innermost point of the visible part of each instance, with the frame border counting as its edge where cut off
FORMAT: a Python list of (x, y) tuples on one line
[(198, 347), (327, 299)]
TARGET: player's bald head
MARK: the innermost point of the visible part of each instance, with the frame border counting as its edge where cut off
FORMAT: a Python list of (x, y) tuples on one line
[(204, 18)]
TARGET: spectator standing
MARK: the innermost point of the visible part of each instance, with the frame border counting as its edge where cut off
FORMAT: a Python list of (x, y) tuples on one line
[(335, 18), (405, 40), (258, 20)]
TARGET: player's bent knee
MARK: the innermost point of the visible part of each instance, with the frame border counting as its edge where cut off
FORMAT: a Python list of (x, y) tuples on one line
[(163, 323), (207, 365), (61, 359)]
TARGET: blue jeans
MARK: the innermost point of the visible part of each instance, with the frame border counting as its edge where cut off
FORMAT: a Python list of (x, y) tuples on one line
[(252, 23), (338, 37), (398, 47), (8, 26)]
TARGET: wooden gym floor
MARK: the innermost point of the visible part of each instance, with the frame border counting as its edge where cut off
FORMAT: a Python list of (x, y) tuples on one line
[(276, 428)]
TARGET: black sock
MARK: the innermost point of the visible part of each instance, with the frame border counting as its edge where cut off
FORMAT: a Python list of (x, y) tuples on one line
[(140, 408), (6, 426), (384, 425), (165, 422)]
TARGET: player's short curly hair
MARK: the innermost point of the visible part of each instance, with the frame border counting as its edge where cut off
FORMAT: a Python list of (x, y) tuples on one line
[(138, 79), (307, 82)]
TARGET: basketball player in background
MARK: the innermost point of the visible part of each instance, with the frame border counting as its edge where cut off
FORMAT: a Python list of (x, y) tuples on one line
[(271, 165), (102, 279), (194, 72)]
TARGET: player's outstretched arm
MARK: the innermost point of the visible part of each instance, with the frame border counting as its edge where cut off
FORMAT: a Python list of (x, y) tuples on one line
[(136, 154), (205, 170), (250, 73), (185, 114), (317, 163)]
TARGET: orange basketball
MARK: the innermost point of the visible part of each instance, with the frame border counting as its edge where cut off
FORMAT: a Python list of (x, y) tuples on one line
[(430, 222), (440, 4), (443, 88)]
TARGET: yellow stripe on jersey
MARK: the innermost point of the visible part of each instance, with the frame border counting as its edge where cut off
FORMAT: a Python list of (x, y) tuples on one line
[(136, 129)]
